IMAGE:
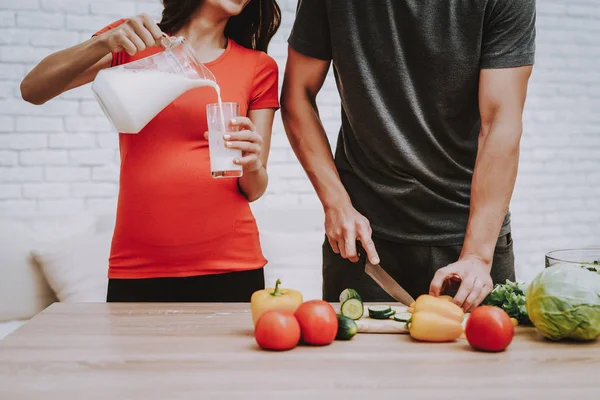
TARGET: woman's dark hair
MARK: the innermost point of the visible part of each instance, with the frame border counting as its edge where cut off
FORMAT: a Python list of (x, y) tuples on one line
[(253, 28)]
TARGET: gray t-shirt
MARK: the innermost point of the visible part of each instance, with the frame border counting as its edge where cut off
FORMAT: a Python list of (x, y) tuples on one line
[(408, 73)]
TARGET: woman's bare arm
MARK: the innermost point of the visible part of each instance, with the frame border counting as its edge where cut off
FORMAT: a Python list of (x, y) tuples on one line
[(253, 183), (78, 65), (65, 70)]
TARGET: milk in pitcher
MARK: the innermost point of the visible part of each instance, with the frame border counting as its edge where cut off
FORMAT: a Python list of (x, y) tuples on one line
[(132, 98)]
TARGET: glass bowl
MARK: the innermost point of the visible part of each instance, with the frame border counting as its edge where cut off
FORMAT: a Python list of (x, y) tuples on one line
[(582, 257)]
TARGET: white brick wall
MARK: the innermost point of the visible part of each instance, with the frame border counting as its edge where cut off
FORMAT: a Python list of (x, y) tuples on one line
[(62, 157)]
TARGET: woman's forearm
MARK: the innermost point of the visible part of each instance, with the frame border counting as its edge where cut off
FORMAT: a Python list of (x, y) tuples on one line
[(254, 184), (79, 64), (63, 70)]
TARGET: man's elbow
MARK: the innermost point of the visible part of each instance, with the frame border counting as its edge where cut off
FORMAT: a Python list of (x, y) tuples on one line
[(295, 102), (503, 134), (286, 103)]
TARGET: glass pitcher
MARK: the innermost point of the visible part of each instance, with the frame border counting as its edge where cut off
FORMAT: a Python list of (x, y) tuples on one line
[(132, 94)]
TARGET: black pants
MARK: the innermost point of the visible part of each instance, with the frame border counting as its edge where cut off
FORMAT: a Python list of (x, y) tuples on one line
[(411, 266), (236, 287)]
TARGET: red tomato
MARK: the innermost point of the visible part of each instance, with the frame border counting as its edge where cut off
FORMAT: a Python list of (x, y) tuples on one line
[(277, 330), (318, 322), (489, 329)]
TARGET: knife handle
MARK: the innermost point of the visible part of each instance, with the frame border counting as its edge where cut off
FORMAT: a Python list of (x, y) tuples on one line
[(360, 250), (451, 285)]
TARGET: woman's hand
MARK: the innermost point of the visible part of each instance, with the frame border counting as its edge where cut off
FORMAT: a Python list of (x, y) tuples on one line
[(248, 141), (79, 65), (137, 34)]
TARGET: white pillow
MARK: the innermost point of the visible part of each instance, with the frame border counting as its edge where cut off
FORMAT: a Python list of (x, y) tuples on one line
[(296, 259), (105, 223), (23, 290), (47, 229), (288, 219), (77, 269)]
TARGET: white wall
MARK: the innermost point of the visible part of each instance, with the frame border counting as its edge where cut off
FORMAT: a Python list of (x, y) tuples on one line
[(62, 157), (557, 197)]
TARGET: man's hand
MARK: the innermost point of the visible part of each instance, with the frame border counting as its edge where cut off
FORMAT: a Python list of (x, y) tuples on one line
[(475, 281), (502, 95), (304, 77), (344, 226)]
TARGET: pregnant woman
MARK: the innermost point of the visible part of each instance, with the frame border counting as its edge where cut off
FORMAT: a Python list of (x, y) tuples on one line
[(181, 235)]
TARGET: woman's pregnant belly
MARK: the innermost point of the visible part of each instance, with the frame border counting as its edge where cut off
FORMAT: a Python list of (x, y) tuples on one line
[(171, 211)]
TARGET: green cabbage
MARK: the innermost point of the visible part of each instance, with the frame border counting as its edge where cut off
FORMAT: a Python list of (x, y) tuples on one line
[(563, 302)]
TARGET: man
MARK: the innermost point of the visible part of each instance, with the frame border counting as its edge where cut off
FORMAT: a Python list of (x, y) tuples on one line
[(426, 160)]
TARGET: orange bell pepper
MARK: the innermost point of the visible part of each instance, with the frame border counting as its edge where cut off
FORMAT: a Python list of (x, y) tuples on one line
[(274, 299), (436, 319)]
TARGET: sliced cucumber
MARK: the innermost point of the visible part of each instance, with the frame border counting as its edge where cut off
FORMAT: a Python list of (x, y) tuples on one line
[(352, 308), (381, 312), (351, 304), (347, 328), (380, 309), (387, 315), (348, 294), (402, 317)]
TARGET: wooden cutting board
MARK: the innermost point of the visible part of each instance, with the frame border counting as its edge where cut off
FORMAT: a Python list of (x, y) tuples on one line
[(371, 325)]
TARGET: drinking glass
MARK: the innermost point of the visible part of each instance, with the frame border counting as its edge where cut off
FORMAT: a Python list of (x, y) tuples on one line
[(221, 157)]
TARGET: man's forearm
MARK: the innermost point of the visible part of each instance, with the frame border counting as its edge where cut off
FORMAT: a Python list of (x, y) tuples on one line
[(492, 187), (309, 142)]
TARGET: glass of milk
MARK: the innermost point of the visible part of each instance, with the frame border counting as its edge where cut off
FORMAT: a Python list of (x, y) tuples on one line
[(218, 116)]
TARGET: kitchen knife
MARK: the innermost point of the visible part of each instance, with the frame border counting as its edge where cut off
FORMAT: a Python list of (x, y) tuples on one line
[(387, 283)]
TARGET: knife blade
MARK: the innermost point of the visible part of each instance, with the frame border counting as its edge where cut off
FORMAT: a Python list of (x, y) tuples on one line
[(387, 283)]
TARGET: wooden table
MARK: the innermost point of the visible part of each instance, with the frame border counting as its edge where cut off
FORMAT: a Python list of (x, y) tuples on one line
[(196, 351)]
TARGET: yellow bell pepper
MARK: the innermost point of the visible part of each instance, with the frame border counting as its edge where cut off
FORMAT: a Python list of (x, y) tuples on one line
[(274, 299), (436, 319)]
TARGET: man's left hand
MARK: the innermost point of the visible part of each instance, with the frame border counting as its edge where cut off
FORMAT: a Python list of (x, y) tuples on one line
[(475, 281)]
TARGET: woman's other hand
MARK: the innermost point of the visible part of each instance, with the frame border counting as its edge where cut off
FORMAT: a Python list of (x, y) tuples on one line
[(248, 140), (137, 34)]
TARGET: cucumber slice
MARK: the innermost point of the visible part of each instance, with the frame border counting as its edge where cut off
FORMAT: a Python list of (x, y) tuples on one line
[(387, 315), (381, 312), (347, 328), (380, 309), (352, 308), (348, 294), (402, 317)]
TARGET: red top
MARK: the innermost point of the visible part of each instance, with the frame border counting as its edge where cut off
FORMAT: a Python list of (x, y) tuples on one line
[(173, 218)]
